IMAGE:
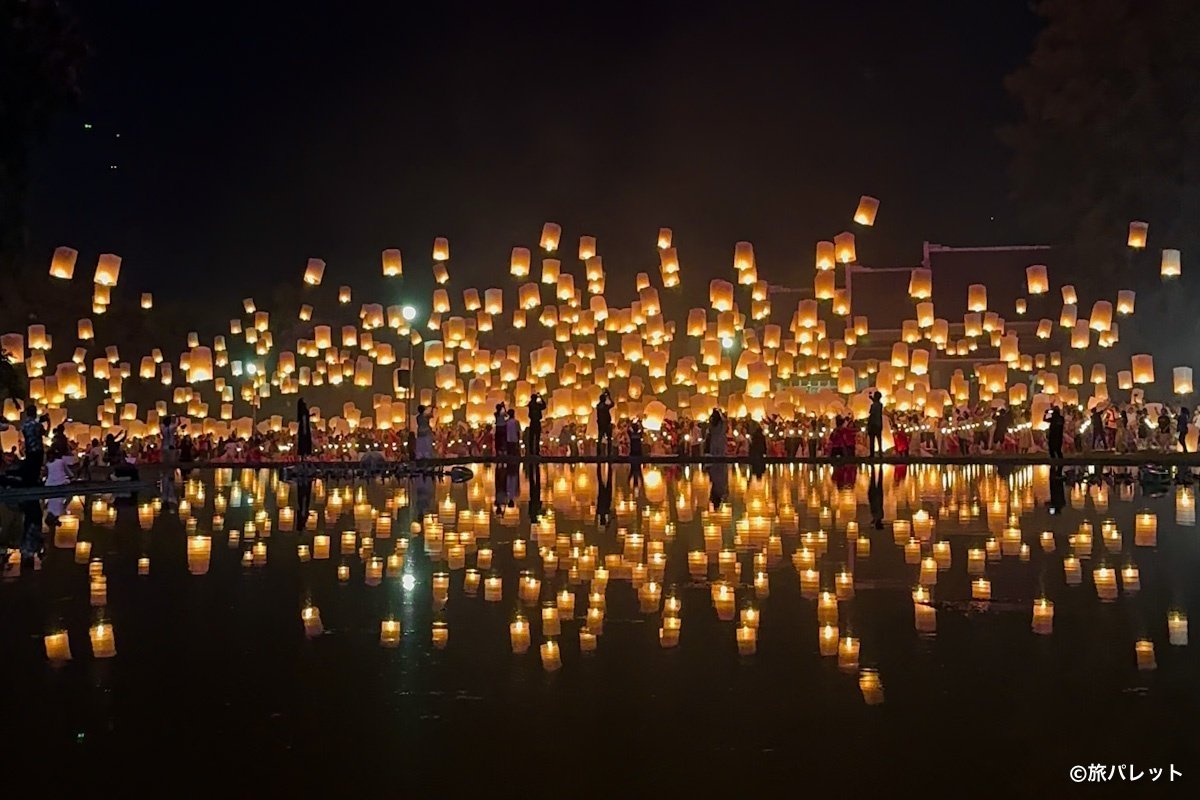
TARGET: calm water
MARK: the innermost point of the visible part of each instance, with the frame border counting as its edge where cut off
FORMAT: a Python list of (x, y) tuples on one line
[(218, 681)]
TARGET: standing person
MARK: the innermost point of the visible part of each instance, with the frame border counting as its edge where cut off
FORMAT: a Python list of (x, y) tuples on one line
[(1054, 436), (33, 432), (536, 406), (512, 430), (168, 426), (875, 425), (636, 433), (304, 442), (1097, 424), (1182, 422), (60, 466), (717, 440), (1000, 424), (424, 447), (499, 431), (604, 431)]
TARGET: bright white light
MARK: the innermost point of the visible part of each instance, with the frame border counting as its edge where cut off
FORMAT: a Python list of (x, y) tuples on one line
[(408, 582), (409, 313), (727, 343)]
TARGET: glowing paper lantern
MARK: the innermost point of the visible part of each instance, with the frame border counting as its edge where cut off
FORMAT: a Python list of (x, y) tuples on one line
[(551, 233), (743, 256), (587, 247), (843, 245), (1143, 368), (1080, 335), (1125, 301), (441, 249), (1182, 377), (1172, 265), (977, 297), (867, 208), (1036, 279), (826, 255), (720, 295), (1124, 379), (108, 269), (314, 272), (1137, 234), (62, 263), (920, 284), (392, 263)]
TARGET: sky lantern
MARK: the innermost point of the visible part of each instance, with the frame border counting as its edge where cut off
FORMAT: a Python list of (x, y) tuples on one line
[(826, 255), (899, 354), (668, 259), (551, 268), (518, 262), (1181, 376), (314, 272), (393, 264), (1125, 301), (841, 302), (1036, 279), (1171, 266), (1070, 313), (1138, 232), (720, 294), (1099, 373), (1075, 374), (920, 284), (200, 365), (587, 247), (1101, 319), (977, 297), (84, 330), (867, 208), (62, 263), (824, 284), (441, 249), (843, 245), (1124, 379), (743, 256), (305, 312), (551, 233), (108, 269), (1143, 368), (1021, 306)]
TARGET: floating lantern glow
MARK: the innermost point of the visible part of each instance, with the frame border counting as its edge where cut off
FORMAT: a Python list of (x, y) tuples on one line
[(867, 208), (1137, 234), (1171, 266)]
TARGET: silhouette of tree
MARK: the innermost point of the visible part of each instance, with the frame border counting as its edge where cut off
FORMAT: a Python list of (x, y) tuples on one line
[(41, 52), (1109, 130)]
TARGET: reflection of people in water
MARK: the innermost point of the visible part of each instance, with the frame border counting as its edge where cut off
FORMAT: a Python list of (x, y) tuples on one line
[(500, 487), (33, 544), (603, 493), (512, 485), (875, 497), (422, 495), (535, 492), (1058, 491), (166, 489), (634, 479), (303, 500), (718, 479)]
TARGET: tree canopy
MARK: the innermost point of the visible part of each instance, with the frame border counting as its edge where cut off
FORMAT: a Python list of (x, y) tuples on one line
[(1110, 98)]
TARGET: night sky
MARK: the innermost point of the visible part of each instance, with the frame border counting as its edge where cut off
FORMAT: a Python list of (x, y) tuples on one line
[(229, 142)]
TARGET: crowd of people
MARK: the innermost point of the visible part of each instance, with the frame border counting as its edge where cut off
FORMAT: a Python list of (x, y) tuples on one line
[(981, 430)]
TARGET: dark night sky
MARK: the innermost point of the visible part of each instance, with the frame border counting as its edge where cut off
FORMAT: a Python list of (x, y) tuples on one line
[(255, 135)]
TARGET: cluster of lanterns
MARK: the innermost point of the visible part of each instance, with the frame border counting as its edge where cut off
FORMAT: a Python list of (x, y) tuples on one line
[(946, 524), (730, 354)]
